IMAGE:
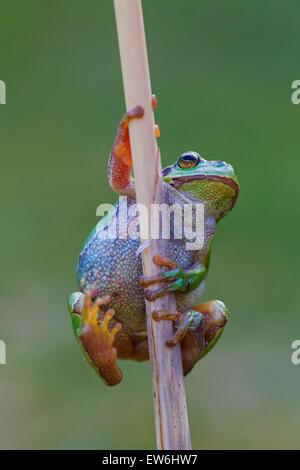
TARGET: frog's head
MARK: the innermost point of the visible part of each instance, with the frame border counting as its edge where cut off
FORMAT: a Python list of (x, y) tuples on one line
[(212, 182)]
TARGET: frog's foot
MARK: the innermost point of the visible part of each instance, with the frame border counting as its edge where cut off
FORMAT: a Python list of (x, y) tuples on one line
[(122, 149), (197, 330), (187, 322), (176, 278), (120, 161), (97, 339), (215, 316)]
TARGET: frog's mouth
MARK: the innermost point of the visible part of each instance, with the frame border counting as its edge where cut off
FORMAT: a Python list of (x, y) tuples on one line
[(181, 180)]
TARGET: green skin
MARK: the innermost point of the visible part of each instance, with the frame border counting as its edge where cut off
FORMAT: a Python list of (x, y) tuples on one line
[(103, 269)]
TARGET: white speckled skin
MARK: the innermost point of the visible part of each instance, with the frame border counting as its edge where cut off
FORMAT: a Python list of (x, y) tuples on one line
[(113, 266)]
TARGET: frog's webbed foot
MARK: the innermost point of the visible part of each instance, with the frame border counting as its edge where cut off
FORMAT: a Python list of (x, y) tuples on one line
[(97, 339), (197, 330), (97, 336), (176, 278)]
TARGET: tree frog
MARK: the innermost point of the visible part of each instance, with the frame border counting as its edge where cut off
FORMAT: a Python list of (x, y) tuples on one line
[(108, 314)]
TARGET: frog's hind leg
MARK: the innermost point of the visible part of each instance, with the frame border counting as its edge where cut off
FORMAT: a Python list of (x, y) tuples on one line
[(215, 316), (140, 351), (197, 330), (99, 335)]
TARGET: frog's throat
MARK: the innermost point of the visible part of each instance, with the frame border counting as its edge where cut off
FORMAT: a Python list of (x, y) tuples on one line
[(179, 181)]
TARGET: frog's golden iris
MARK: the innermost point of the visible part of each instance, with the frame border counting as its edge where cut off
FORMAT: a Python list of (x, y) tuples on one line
[(189, 160)]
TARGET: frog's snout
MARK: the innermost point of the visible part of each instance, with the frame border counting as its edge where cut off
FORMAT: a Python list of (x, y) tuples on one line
[(167, 170)]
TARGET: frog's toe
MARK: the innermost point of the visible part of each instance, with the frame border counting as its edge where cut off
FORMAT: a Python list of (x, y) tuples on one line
[(200, 339), (168, 276), (97, 339), (135, 113), (179, 285), (103, 326), (154, 101), (159, 315), (191, 323), (161, 260), (175, 277), (152, 294)]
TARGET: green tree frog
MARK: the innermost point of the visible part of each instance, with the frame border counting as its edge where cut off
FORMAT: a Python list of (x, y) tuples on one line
[(108, 314)]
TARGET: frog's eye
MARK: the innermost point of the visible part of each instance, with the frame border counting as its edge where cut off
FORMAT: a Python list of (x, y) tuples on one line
[(189, 160)]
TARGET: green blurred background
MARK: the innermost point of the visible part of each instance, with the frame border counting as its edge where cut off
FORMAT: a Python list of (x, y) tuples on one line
[(222, 72)]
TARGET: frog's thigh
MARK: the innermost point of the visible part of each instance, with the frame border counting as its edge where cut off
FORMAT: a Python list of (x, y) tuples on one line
[(215, 315), (140, 351)]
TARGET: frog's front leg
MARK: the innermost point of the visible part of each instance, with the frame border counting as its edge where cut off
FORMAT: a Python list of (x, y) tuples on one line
[(120, 161), (197, 330), (177, 279), (96, 332)]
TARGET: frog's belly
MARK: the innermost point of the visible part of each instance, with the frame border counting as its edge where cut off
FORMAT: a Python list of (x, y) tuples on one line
[(114, 268)]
